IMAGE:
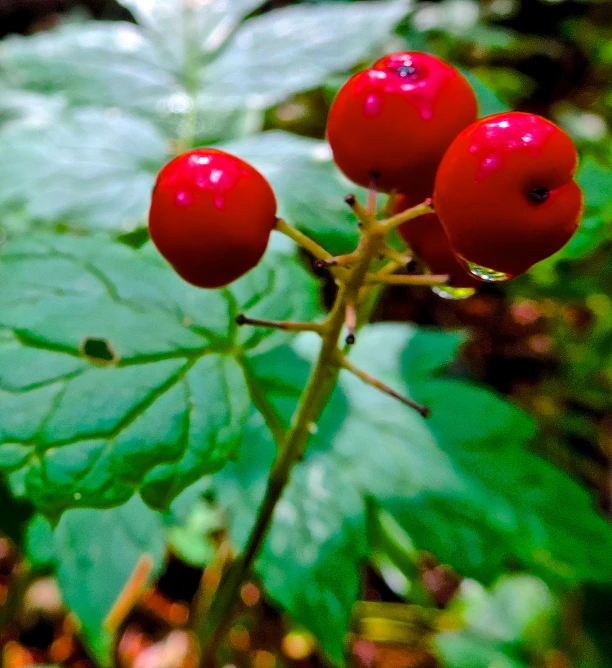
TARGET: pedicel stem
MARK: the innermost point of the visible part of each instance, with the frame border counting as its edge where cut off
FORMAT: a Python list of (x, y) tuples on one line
[(319, 387)]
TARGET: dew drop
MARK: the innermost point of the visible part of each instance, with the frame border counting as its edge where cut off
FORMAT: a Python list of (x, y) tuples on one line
[(485, 274), (407, 72), (448, 292)]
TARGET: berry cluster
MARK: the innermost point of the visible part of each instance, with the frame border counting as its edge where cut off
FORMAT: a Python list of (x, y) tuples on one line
[(502, 187)]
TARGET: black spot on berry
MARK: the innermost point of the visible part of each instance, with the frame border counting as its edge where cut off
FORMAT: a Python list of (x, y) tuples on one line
[(539, 195)]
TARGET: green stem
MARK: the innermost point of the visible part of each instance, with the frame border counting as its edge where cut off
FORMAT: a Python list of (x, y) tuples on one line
[(313, 400)]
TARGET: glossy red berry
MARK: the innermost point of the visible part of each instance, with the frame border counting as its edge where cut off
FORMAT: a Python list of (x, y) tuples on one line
[(426, 237), (505, 193), (211, 216), (394, 121)]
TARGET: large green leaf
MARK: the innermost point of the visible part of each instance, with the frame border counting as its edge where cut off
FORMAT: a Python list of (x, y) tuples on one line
[(93, 554), (516, 494), (463, 484), (101, 64), (187, 32), (296, 48), (116, 375), (85, 168), (130, 90)]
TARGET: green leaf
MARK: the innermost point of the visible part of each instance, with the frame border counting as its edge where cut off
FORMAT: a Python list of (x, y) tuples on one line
[(119, 66), (192, 541), (96, 552), (99, 64), (595, 180), (115, 375), (488, 101), (297, 48), (309, 188), (39, 547), (518, 610), (461, 650), (510, 508), (88, 168), (593, 232), (189, 33), (113, 95), (462, 484)]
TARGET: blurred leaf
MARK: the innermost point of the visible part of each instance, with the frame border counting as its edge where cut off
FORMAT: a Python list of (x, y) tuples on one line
[(115, 375), (99, 64), (39, 547), (188, 33), (516, 494), (136, 88), (89, 168), (121, 66), (519, 609), (462, 650), (297, 48), (309, 188), (488, 102), (96, 552), (593, 232), (191, 541), (595, 180)]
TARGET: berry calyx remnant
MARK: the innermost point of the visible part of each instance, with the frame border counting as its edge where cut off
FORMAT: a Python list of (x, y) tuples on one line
[(390, 125), (505, 193), (211, 216)]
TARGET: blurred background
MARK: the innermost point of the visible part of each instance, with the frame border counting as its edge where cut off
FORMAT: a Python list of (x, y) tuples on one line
[(543, 340)]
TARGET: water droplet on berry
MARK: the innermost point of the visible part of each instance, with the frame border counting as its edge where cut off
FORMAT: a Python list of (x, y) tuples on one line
[(448, 292), (407, 71), (485, 274)]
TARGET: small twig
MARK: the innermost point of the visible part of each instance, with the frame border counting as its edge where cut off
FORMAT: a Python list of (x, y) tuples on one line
[(285, 325), (389, 205), (367, 220), (403, 260), (428, 280), (338, 260), (130, 594), (350, 322), (372, 195), (344, 363), (409, 214), (302, 240)]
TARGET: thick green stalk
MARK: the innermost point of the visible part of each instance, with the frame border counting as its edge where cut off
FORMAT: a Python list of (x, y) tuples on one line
[(313, 400)]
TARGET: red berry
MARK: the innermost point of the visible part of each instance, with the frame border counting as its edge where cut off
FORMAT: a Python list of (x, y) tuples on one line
[(395, 120), (211, 216), (505, 193), (426, 237)]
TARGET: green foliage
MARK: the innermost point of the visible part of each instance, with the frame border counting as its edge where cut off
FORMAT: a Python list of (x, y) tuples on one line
[(93, 553), (115, 96), (122, 388), (173, 350), (517, 618), (463, 485)]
